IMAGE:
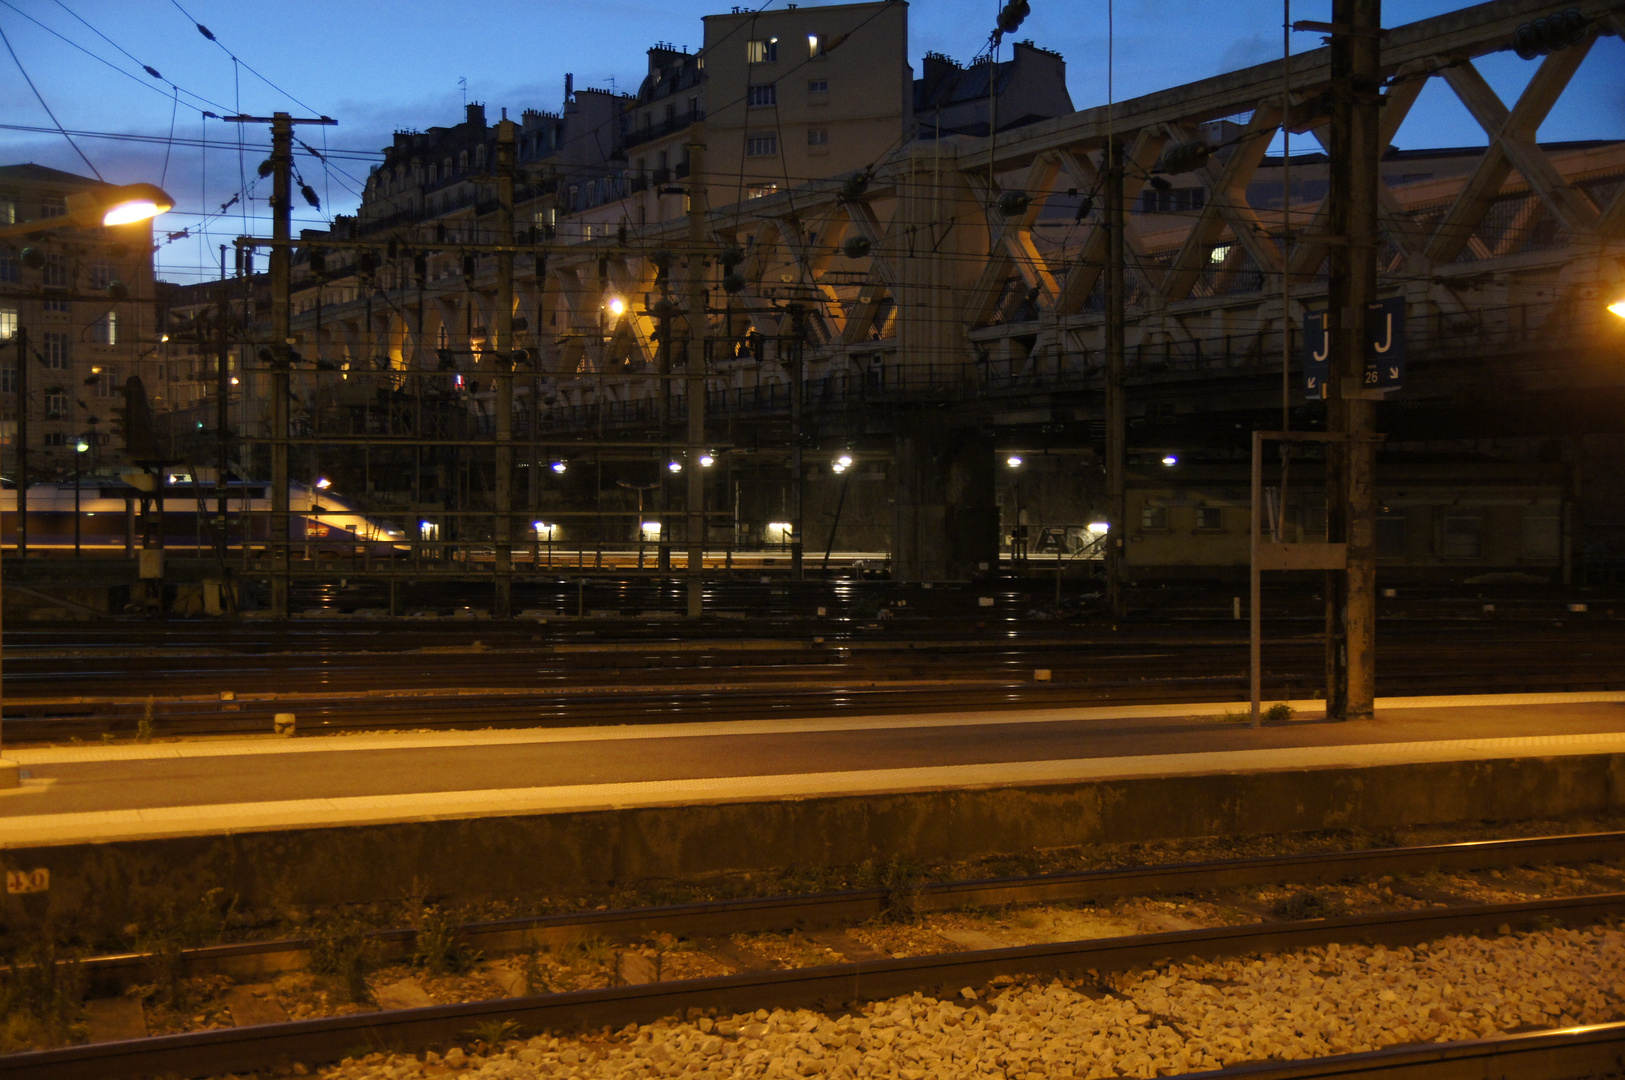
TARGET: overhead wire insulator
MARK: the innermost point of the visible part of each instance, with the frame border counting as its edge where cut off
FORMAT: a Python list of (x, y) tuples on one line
[(1549, 34), (734, 282), (1012, 15), (310, 195), (266, 168), (856, 247)]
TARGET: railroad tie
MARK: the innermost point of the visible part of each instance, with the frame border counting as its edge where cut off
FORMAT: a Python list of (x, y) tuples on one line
[(116, 1019), (255, 1004)]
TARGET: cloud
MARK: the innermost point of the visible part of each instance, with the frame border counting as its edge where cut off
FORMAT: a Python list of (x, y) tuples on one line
[(1247, 51)]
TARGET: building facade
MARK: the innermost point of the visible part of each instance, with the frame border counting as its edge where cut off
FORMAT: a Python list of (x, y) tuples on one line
[(85, 299)]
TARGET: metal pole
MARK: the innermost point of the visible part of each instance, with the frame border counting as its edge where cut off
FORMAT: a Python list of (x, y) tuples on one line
[(1351, 493), (798, 326), (23, 410), (697, 325), (76, 531), (281, 318), (503, 328), (222, 410), (1116, 416), (1255, 590)]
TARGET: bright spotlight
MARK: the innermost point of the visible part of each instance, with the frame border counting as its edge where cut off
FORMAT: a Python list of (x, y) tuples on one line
[(558, 466), (844, 460), (1170, 460), (675, 466), (1618, 307), (617, 306), (706, 461), (1098, 527), (1014, 461), (324, 483)]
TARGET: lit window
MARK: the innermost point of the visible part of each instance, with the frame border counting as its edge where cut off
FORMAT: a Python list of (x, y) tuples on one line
[(104, 331), (814, 46), (817, 136), (8, 322), (760, 191), (762, 52), (762, 95), (762, 144)]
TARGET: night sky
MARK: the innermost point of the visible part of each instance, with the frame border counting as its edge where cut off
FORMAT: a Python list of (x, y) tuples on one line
[(377, 67)]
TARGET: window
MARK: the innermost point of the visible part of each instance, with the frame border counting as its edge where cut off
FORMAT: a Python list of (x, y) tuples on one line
[(8, 322), (56, 273), (1154, 518), (760, 191), (53, 208), (56, 351), (762, 52), (56, 406), (1542, 537), (8, 378), (1391, 535), (1461, 536), (762, 95), (104, 331), (9, 266), (8, 212), (1209, 518), (479, 157), (818, 137), (815, 46), (762, 144), (1174, 201), (57, 304), (108, 385)]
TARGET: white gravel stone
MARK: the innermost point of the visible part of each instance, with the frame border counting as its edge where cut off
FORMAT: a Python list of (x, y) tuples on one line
[(1171, 1019)]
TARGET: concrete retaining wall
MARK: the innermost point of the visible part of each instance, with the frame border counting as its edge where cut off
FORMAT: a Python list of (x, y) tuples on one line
[(99, 888)]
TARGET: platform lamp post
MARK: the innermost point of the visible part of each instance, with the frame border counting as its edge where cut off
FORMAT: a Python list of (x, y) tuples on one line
[(80, 445), (121, 205)]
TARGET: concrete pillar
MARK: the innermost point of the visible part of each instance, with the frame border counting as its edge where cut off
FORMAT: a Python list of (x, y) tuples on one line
[(946, 516)]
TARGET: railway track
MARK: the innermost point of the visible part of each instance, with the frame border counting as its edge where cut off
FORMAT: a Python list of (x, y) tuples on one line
[(61, 685), (832, 987)]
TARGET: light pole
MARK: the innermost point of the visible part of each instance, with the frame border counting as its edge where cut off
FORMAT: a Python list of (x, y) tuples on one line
[(79, 448), (111, 206)]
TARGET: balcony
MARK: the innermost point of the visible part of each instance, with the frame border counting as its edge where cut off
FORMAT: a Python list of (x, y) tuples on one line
[(639, 136)]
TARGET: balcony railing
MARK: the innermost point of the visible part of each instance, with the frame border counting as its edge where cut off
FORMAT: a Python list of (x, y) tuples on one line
[(639, 136)]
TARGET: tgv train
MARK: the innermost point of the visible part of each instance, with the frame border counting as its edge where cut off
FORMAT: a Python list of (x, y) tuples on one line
[(112, 521)]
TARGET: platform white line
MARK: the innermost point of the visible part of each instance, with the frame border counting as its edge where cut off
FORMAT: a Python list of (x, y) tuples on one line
[(350, 811), (418, 740)]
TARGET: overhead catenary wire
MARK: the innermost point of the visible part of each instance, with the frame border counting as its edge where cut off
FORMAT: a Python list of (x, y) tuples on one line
[(41, 99)]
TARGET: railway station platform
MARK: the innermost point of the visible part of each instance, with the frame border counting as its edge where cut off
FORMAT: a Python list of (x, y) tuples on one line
[(575, 810)]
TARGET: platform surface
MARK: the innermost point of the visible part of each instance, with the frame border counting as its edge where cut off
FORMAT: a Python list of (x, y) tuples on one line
[(79, 794)]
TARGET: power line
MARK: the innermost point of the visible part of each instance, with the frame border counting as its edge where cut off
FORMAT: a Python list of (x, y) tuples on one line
[(46, 107)]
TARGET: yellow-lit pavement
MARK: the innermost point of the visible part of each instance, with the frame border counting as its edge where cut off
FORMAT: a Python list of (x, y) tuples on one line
[(79, 794)]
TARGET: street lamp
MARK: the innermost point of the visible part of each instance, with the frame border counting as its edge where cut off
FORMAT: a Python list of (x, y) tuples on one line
[(79, 448), (121, 205), (1618, 307)]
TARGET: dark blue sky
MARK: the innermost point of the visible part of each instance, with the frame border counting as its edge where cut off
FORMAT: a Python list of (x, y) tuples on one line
[(378, 66)]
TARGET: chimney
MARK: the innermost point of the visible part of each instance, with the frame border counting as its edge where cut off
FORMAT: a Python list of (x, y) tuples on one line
[(569, 86), (476, 113)]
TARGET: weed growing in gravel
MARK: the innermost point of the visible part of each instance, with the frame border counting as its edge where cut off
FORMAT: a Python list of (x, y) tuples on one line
[(439, 950), (494, 1032), (1279, 713), (172, 931), (40, 992), (143, 728), (530, 966), (342, 948), (1303, 905)]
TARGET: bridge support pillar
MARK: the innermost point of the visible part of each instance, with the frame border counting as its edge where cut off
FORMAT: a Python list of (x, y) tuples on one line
[(946, 516)]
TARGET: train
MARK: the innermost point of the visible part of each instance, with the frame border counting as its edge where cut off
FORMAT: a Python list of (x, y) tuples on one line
[(117, 517)]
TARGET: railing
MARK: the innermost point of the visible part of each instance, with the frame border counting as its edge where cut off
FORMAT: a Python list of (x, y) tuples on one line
[(639, 136)]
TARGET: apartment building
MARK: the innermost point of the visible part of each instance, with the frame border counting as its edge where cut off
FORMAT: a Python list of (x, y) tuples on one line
[(85, 297)]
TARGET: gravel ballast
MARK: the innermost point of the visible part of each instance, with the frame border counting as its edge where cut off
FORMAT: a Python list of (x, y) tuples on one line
[(1178, 1017)]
